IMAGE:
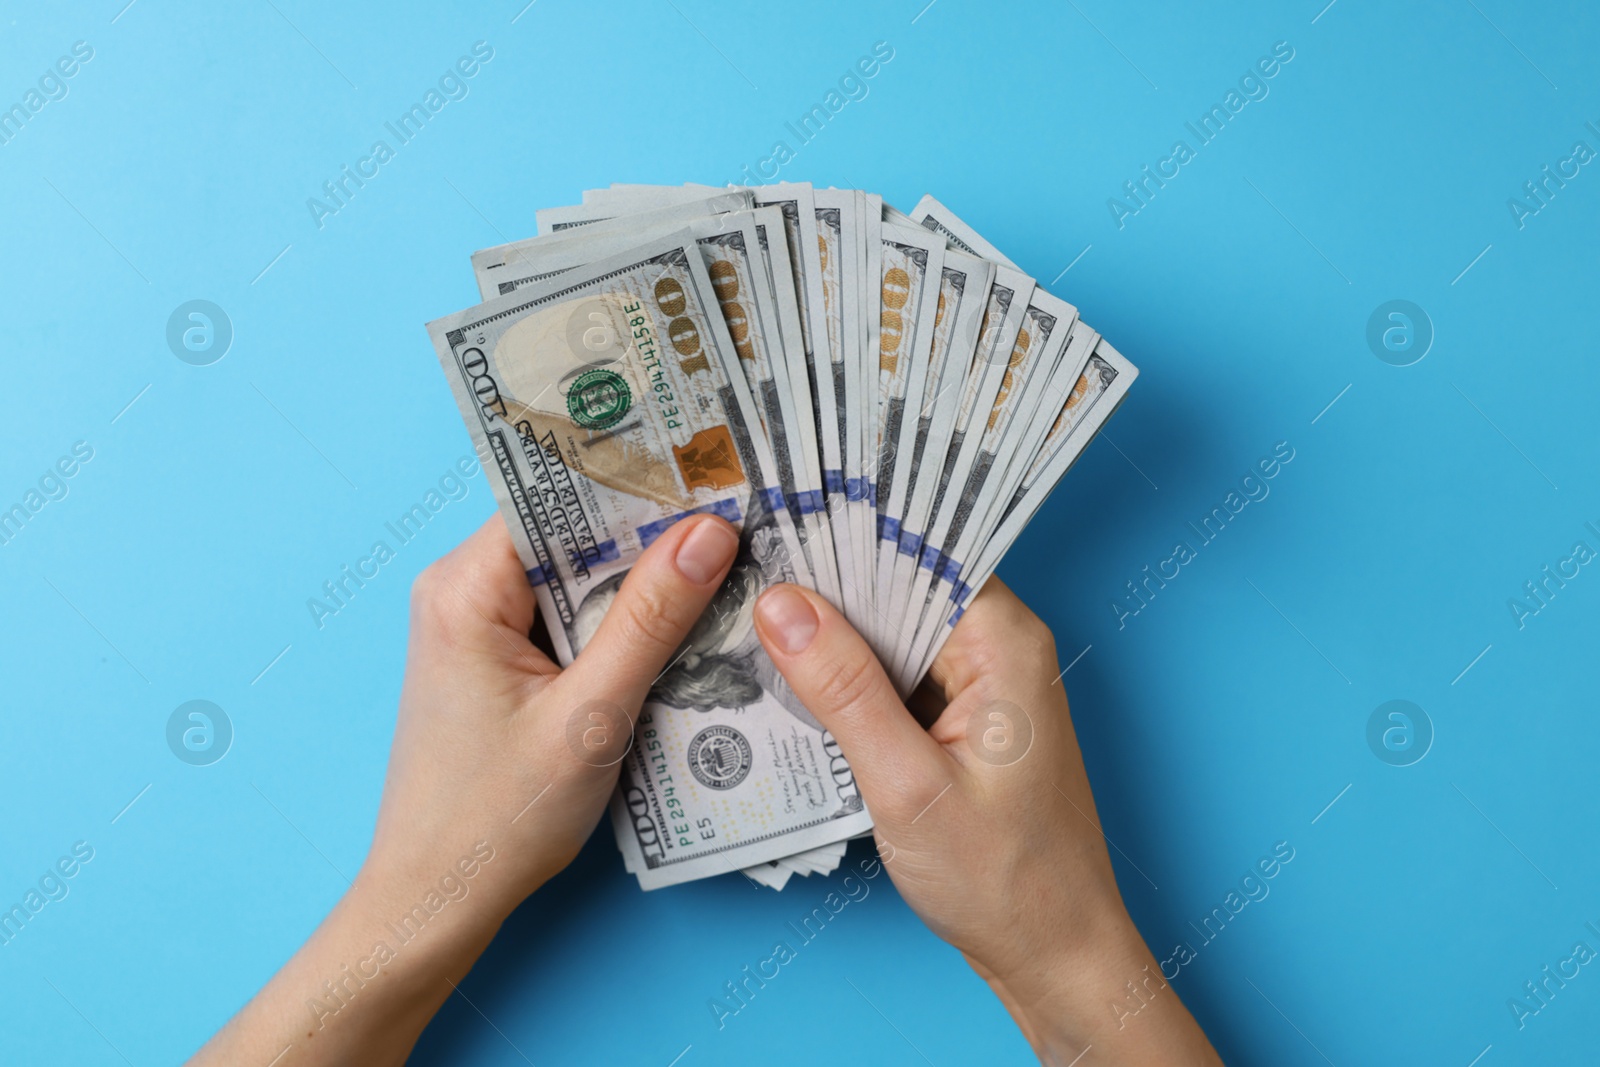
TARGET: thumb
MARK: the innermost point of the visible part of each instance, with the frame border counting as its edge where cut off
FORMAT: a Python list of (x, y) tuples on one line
[(836, 676), (665, 592)]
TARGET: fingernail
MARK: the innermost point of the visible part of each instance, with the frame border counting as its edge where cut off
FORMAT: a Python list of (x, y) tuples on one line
[(788, 618), (707, 549)]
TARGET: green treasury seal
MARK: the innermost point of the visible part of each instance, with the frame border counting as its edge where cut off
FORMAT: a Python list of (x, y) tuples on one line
[(599, 399)]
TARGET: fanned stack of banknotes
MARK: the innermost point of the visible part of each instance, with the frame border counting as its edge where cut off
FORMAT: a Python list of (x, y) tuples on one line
[(879, 401)]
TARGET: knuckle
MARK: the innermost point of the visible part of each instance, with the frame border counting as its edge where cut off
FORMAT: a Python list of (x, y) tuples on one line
[(1005, 630), (653, 619), (430, 591), (436, 610), (987, 645), (425, 585), (852, 684), (1039, 633)]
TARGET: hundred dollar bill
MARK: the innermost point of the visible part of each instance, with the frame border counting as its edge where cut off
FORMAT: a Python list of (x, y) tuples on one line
[(1095, 397), (795, 202), (964, 501), (540, 257), (796, 273), (935, 216), (1024, 441), (863, 510), (606, 403), (773, 875), (824, 860), (963, 294), (791, 380), (803, 290), (899, 218), (1041, 343), (634, 196), (1009, 434), (1029, 438), (839, 311), (814, 238), (736, 251), (912, 265), (737, 262), (1002, 325), (554, 220), (594, 235)]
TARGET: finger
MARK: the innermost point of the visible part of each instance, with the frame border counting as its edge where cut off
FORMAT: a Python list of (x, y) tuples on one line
[(666, 591), (998, 669), (998, 640), (477, 595), (836, 676)]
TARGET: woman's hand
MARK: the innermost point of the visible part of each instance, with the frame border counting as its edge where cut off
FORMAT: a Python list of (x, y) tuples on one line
[(501, 766), (494, 741), (986, 822)]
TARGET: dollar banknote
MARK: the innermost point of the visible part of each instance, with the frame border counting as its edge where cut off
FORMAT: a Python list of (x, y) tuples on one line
[(1095, 396), (738, 255), (516, 263), (837, 239), (813, 240), (794, 200), (907, 498), (606, 401), (879, 402), (957, 527), (862, 509), (800, 256), (935, 216), (996, 347), (911, 266)]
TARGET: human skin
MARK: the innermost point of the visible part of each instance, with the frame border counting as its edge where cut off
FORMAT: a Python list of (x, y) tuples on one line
[(986, 822), (502, 764)]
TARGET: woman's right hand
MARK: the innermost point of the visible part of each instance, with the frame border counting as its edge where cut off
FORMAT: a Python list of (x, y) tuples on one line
[(986, 823)]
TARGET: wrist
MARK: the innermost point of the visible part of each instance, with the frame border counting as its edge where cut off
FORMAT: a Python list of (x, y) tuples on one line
[(431, 910), (1061, 995), (1107, 991), (377, 968), (1075, 1003)]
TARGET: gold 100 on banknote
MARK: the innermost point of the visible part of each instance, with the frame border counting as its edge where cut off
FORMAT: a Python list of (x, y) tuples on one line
[(878, 401)]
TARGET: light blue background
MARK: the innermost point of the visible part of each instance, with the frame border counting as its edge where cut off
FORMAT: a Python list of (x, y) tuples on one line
[(1223, 718)]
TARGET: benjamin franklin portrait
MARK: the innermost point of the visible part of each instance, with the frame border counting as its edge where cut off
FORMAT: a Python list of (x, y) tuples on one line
[(721, 664)]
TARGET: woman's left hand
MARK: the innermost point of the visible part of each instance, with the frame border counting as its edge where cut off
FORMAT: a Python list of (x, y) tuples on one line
[(494, 741), (501, 765)]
